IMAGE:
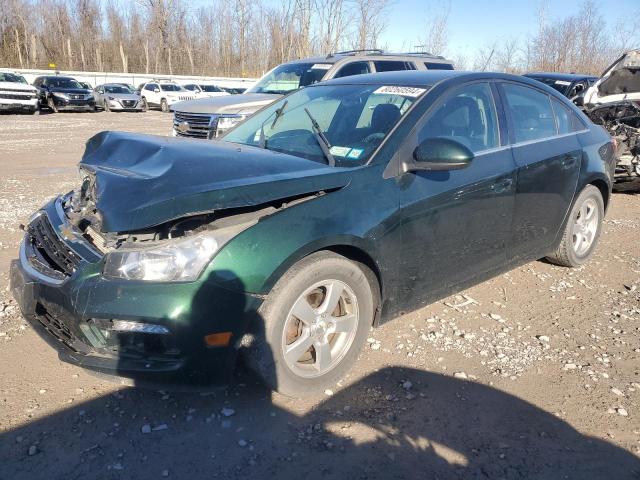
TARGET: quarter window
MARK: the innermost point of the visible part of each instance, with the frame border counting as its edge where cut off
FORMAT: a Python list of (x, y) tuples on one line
[(468, 116), (438, 66), (354, 68), (531, 113), (567, 120)]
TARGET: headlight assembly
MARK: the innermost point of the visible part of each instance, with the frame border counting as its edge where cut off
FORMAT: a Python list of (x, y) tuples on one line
[(227, 122), (61, 95), (179, 260)]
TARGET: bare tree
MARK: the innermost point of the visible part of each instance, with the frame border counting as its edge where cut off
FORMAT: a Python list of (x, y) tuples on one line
[(437, 28)]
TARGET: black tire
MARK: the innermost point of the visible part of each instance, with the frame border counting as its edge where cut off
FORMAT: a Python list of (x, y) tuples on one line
[(164, 106), (566, 254), (145, 105), (52, 106), (35, 111), (265, 353)]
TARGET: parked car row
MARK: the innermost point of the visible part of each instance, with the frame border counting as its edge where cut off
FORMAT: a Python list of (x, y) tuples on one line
[(59, 93)]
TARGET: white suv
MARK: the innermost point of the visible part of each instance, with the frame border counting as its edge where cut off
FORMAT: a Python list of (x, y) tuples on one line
[(163, 94), (204, 90), (17, 94)]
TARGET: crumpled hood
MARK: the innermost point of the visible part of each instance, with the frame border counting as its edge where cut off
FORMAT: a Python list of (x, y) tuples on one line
[(244, 103), (145, 180)]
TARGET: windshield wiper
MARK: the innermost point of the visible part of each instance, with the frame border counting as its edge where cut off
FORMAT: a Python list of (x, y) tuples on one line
[(325, 146), (278, 113)]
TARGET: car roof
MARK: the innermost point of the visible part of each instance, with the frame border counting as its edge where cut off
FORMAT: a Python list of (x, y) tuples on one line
[(424, 78), (559, 76), (372, 55)]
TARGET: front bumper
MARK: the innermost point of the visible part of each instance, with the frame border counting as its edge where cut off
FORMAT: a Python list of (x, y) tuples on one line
[(64, 312), (15, 104), (119, 106), (82, 105)]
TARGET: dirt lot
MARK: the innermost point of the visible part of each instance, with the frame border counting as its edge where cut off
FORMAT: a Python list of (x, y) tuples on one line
[(534, 374)]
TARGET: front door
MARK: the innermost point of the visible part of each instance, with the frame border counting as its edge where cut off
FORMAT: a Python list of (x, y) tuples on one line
[(456, 224)]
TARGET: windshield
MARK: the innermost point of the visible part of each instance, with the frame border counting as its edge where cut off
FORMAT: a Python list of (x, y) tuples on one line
[(11, 77), (116, 89), (289, 77), (63, 83), (171, 87), (560, 85), (192, 87), (210, 88), (354, 119)]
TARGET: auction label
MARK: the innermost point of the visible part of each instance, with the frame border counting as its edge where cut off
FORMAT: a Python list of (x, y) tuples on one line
[(404, 91)]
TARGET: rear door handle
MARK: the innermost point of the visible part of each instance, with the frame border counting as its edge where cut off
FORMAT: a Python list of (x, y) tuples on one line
[(568, 161)]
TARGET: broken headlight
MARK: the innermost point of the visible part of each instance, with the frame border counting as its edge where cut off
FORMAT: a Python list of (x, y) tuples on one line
[(180, 260)]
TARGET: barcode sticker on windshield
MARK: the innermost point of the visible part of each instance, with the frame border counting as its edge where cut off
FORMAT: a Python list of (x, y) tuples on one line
[(562, 82), (321, 66), (404, 91)]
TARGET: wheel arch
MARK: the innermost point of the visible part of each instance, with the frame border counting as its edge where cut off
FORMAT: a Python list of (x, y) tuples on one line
[(353, 248)]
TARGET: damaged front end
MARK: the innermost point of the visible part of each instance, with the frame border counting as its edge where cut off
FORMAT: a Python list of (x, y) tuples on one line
[(614, 102), (174, 251), (622, 121), (118, 275)]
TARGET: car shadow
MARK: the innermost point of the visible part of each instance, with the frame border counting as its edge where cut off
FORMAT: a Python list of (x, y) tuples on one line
[(399, 423)]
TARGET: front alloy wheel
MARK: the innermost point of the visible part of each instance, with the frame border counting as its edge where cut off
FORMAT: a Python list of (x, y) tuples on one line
[(164, 106), (312, 325), (320, 328)]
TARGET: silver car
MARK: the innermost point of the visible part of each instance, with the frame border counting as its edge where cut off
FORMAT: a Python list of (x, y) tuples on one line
[(115, 96)]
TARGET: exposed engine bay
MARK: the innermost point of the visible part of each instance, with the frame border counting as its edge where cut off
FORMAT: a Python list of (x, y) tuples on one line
[(614, 102), (622, 121)]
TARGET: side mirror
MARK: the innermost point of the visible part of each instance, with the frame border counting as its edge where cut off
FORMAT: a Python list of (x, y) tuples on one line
[(157, 90), (439, 153)]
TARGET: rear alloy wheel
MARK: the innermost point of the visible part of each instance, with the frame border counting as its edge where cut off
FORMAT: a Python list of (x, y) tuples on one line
[(582, 230), (312, 324), (164, 106)]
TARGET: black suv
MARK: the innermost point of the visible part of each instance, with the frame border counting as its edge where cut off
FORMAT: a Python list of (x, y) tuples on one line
[(63, 93)]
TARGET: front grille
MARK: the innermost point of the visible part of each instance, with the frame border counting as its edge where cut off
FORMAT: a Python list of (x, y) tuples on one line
[(52, 251), (19, 96), (57, 327), (129, 103), (186, 97), (76, 97), (195, 125)]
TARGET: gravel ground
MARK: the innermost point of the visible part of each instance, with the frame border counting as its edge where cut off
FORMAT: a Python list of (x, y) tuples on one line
[(533, 374)]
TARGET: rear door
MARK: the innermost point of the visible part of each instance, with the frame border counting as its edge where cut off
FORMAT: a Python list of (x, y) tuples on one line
[(456, 224), (548, 164)]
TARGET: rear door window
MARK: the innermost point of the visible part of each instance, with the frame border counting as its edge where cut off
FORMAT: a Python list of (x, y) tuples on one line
[(531, 114), (353, 68), (392, 65), (566, 119)]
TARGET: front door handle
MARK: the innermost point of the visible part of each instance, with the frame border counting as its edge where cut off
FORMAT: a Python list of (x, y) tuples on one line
[(502, 186)]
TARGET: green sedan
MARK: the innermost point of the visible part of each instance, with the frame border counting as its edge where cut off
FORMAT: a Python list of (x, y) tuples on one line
[(328, 212)]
